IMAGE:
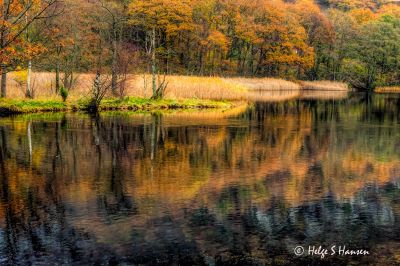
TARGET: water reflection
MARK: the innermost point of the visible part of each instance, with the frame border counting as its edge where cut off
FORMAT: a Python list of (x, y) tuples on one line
[(239, 187), (285, 95)]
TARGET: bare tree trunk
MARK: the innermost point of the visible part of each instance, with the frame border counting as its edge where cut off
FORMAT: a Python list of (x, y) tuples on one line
[(28, 81), (3, 38), (3, 81), (145, 85), (153, 62), (71, 80), (67, 79), (57, 77), (28, 93), (114, 65)]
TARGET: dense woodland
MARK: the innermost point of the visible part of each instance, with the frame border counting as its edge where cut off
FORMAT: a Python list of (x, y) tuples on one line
[(357, 41)]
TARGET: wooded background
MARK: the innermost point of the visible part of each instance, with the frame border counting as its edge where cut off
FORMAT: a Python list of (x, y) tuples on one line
[(357, 41)]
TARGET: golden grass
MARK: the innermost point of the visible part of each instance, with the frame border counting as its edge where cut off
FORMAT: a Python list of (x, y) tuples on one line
[(393, 89), (179, 87), (202, 88), (43, 85), (324, 85)]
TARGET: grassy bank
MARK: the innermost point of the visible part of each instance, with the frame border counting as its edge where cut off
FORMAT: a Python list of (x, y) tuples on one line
[(15, 106), (132, 103)]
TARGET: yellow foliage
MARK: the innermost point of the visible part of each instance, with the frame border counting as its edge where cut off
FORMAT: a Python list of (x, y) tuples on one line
[(20, 77), (363, 16)]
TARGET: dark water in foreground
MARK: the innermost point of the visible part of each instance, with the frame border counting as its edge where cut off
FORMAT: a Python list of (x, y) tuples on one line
[(241, 187)]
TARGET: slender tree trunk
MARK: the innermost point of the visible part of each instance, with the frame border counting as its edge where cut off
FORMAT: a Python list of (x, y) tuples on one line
[(66, 79), (201, 60), (28, 81), (71, 80), (153, 62), (3, 38), (145, 85), (57, 77), (114, 63), (3, 81), (239, 69), (251, 61), (28, 78)]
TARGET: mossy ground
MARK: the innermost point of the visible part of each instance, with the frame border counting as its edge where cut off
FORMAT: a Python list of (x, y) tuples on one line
[(11, 106), (132, 103), (17, 106)]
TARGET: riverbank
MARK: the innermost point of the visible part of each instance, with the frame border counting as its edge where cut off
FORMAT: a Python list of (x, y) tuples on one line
[(183, 92), (20, 106)]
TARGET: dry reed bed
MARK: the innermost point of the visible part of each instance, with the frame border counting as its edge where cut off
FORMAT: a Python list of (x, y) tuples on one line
[(324, 85), (179, 87)]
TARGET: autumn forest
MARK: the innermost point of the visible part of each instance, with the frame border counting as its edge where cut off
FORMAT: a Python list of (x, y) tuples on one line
[(354, 41)]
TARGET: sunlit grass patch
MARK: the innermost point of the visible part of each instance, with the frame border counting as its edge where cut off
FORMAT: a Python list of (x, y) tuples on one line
[(30, 106), (133, 103), (11, 106)]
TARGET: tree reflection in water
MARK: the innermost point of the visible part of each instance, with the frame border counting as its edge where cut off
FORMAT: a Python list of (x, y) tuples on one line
[(239, 187)]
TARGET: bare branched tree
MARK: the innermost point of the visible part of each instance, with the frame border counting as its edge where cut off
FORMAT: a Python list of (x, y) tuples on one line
[(115, 18), (161, 87), (101, 85)]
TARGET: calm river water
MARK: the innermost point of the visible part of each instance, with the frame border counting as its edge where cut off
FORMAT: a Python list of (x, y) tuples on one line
[(238, 187)]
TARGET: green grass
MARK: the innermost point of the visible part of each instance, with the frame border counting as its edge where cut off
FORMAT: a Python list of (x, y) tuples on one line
[(14, 106), (147, 104)]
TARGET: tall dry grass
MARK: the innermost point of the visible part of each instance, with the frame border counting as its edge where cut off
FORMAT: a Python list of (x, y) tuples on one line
[(43, 85), (201, 87), (324, 85), (179, 87)]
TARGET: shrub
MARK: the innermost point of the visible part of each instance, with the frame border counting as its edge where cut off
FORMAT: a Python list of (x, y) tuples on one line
[(64, 93)]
